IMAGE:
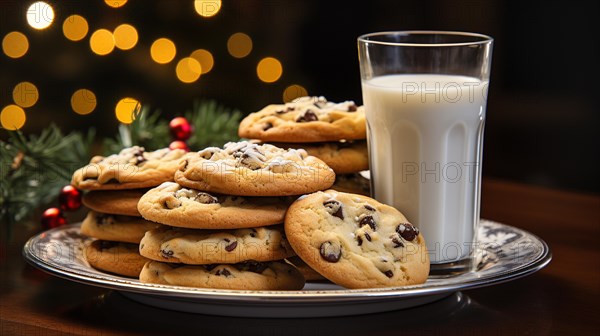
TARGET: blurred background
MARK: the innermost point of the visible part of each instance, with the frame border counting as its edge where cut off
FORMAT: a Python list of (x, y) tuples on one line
[(80, 64)]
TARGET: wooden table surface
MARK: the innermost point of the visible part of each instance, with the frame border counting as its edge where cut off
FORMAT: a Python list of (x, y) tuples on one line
[(563, 298)]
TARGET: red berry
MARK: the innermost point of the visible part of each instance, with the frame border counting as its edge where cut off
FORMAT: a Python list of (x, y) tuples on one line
[(69, 198), (180, 128), (179, 145), (52, 218)]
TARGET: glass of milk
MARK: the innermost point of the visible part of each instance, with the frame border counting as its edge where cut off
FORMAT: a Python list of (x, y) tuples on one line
[(425, 94)]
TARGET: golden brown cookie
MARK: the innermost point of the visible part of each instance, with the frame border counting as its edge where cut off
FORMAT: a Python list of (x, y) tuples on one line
[(118, 202), (118, 228), (249, 169), (307, 119), (132, 168), (355, 241), (174, 205), (201, 247), (343, 157), (113, 257), (274, 275)]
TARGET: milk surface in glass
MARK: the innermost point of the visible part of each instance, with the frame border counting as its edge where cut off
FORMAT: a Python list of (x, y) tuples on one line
[(425, 154)]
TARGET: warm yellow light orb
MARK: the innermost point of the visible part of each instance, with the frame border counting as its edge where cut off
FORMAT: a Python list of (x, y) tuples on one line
[(205, 58), (15, 44), (12, 117), (207, 8), (294, 91), (25, 94), (40, 15), (75, 27), (188, 70), (163, 51), (115, 3), (239, 45), (126, 36), (83, 101), (102, 42), (269, 69), (126, 109)]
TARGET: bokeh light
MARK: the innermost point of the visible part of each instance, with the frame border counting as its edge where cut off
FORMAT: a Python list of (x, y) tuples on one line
[(163, 51), (269, 69), (12, 117), (115, 3), (25, 94), (126, 109), (75, 27), (205, 58), (40, 15), (126, 36), (15, 44), (83, 101), (102, 42), (294, 91), (239, 45), (188, 70), (207, 8)]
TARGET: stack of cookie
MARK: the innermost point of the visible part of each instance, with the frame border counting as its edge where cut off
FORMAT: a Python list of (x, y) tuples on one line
[(334, 133), (115, 184), (223, 218)]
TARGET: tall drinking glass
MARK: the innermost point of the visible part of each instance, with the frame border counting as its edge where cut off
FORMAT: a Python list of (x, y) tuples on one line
[(425, 94)]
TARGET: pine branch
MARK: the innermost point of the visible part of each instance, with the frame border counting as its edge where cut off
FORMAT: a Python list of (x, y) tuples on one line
[(213, 124)]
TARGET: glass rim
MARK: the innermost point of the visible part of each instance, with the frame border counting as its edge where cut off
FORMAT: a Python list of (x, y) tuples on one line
[(484, 39)]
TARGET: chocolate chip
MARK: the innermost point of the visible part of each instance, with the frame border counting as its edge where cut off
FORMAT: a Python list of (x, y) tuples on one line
[(267, 126), (210, 267), (205, 198), (368, 236), (253, 233), (368, 207), (368, 220), (359, 240), (251, 266), (407, 231), (308, 116), (330, 252), (231, 246), (223, 272), (397, 242), (166, 253), (251, 161), (352, 108), (389, 273), (139, 156), (334, 208)]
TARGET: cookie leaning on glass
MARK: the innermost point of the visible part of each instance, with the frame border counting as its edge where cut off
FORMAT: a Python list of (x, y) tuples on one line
[(355, 241)]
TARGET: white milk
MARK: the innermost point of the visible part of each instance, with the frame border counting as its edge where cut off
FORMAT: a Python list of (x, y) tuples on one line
[(425, 136)]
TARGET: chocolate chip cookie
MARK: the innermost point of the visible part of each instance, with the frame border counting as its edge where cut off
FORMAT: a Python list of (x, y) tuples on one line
[(307, 119), (355, 241), (132, 168), (118, 228), (275, 275), (175, 205), (118, 202), (114, 257), (343, 157), (201, 247), (249, 169)]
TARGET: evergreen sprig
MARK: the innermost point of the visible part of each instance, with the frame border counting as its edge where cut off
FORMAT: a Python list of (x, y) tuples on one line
[(33, 168), (213, 124)]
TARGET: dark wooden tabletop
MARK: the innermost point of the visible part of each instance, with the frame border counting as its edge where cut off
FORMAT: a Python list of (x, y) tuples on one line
[(563, 298)]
